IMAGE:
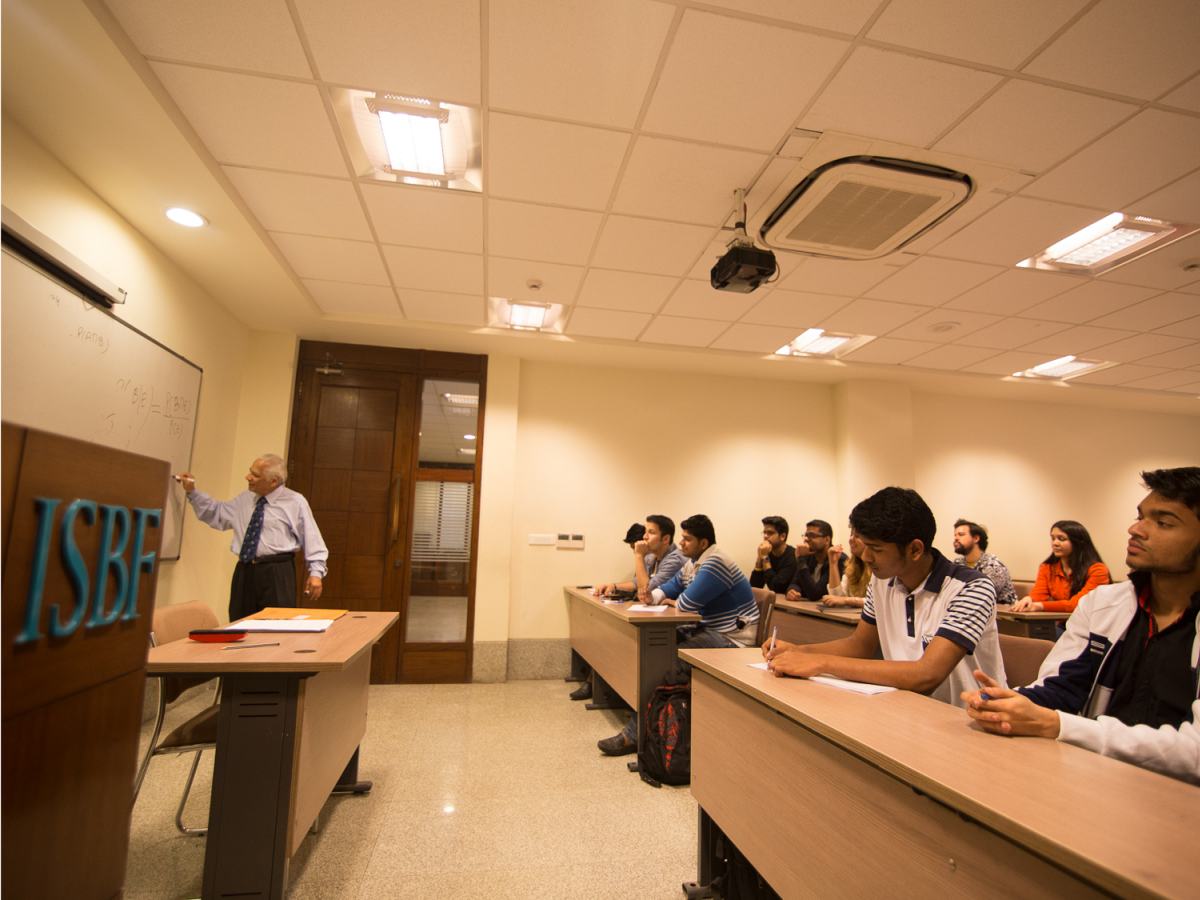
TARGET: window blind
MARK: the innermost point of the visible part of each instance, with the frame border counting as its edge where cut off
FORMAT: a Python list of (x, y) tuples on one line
[(442, 521)]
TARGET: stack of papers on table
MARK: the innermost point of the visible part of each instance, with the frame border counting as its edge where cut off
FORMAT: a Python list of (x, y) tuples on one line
[(285, 620)]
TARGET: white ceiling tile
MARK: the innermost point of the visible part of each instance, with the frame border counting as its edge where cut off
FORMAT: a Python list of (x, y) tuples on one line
[(833, 276), (1162, 268), (950, 357), (1126, 47), (685, 182), (682, 332), (1008, 363), (1192, 388), (1120, 374), (895, 97), (1186, 96), (625, 290), (997, 34), (602, 56), (1177, 202), (1139, 157), (426, 217), (794, 309), (529, 231), (876, 317), (975, 208), (1186, 328), (642, 245), (549, 162), (251, 121), (510, 278), (450, 309), (340, 298), (1186, 356), (1017, 229), (748, 99), (1088, 302), (1032, 126), (435, 270), (1013, 291), (764, 186), (331, 259), (1011, 334), (607, 323), (700, 300), (257, 35), (381, 45), (944, 325), (1077, 341), (847, 16), (930, 281), (1142, 348), (1155, 313), (756, 338), (302, 204), (888, 351), (1163, 382)]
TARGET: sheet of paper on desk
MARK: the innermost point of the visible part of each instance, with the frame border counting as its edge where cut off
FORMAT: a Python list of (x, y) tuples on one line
[(833, 681), (282, 625), (642, 607)]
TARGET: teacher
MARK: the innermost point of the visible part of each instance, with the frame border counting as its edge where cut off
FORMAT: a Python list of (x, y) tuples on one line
[(270, 524)]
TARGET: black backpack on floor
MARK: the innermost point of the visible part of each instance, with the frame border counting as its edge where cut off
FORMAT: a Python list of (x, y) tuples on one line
[(666, 757)]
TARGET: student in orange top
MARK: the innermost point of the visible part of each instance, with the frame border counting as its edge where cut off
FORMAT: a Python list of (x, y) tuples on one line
[(1072, 569)]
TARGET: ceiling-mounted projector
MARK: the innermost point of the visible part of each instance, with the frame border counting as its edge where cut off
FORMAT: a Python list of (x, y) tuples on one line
[(743, 267)]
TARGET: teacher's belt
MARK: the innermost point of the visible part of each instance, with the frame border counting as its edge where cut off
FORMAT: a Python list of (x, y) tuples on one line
[(273, 558)]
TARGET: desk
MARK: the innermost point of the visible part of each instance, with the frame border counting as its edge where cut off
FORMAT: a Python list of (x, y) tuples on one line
[(900, 795), (291, 720), (629, 652), (1029, 624)]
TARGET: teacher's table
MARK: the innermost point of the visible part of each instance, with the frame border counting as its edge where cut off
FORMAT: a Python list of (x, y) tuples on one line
[(291, 720), (629, 652), (834, 794), (1029, 624)]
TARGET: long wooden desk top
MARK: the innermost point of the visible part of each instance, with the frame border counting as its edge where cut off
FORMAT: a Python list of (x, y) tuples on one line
[(328, 651), (1032, 616), (1126, 829), (810, 608), (621, 610)]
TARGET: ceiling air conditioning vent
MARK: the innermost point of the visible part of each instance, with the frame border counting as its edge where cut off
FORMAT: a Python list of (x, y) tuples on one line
[(863, 207)]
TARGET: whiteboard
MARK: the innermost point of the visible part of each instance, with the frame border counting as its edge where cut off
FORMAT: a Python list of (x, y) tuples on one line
[(72, 368)]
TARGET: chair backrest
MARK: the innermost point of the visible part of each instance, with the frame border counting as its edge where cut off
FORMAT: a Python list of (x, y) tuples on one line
[(1023, 658), (1023, 588), (172, 623), (766, 607)]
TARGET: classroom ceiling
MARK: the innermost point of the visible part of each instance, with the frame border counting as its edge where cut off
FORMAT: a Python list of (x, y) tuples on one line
[(614, 135)]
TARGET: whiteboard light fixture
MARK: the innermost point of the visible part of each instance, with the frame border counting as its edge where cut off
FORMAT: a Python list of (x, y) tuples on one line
[(186, 217)]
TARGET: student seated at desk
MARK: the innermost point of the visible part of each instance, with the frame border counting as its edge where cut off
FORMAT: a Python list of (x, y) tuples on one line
[(851, 591), (814, 563), (970, 543), (934, 621), (1072, 569), (776, 563), (711, 585), (1122, 680)]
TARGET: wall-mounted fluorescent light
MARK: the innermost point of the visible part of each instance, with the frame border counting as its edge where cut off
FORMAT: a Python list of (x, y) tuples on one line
[(1063, 368), (819, 342), (462, 399), (1110, 242), (182, 216)]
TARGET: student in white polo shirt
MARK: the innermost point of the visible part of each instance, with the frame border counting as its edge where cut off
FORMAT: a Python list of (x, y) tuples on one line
[(934, 620)]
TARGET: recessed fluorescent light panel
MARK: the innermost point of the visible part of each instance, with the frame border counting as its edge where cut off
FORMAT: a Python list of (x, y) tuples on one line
[(821, 343), (462, 399), (1113, 241), (1063, 368), (525, 315), (410, 139)]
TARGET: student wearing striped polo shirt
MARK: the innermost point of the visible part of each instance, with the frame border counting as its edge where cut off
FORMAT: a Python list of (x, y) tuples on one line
[(711, 585), (934, 620)]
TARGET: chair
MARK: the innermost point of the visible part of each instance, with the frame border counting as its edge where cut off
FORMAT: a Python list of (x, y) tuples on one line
[(766, 608), (1023, 588), (1023, 658), (197, 734)]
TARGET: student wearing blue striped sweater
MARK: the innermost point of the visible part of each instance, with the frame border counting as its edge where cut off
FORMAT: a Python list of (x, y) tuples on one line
[(711, 585)]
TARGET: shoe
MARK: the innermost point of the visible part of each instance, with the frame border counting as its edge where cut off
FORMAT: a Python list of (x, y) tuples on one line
[(617, 745), (583, 692)]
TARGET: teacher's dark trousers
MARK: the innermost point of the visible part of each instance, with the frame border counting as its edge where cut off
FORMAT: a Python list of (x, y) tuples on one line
[(268, 581)]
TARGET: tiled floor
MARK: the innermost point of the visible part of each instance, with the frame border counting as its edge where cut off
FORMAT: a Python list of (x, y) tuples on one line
[(537, 811)]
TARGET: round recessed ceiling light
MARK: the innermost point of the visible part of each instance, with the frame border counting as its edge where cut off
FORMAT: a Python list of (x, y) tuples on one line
[(185, 217), (943, 327), (468, 437)]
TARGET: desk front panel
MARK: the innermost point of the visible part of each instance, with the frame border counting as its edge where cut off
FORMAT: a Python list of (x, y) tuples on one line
[(799, 628), (820, 822), (609, 644)]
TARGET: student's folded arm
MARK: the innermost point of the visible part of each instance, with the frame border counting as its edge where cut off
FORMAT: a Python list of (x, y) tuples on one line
[(1170, 751), (699, 593)]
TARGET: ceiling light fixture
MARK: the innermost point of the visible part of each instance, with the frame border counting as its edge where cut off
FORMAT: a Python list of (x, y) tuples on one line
[(1063, 368), (1116, 239), (186, 217), (468, 437), (819, 342), (412, 133), (526, 316), (462, 399)]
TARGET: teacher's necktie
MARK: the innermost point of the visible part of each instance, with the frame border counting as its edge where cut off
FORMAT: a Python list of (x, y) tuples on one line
[(253, 530)]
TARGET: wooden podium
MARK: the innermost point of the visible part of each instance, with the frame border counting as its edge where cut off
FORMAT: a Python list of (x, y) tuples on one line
[(81, 533)]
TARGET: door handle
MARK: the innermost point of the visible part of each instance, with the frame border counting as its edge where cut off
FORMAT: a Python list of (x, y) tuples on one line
[(395, 504)]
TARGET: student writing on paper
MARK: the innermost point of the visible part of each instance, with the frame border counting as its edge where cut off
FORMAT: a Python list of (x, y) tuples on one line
[(934, 621)]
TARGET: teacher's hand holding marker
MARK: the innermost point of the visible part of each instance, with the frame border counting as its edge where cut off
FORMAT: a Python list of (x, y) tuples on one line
[(186, 480)]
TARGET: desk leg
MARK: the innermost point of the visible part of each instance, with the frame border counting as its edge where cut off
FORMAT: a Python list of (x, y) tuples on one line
[(246, 853), (603, 696), (348, 782), (657, 654), (707, 860), (579, 667)]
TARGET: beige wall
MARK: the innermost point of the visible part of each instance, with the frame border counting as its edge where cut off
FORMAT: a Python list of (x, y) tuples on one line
[(169, 307), (493, 576)]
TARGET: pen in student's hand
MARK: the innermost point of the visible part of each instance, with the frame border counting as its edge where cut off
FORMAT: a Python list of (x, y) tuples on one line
[(774, 631), (983, 697), (248, 646)]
